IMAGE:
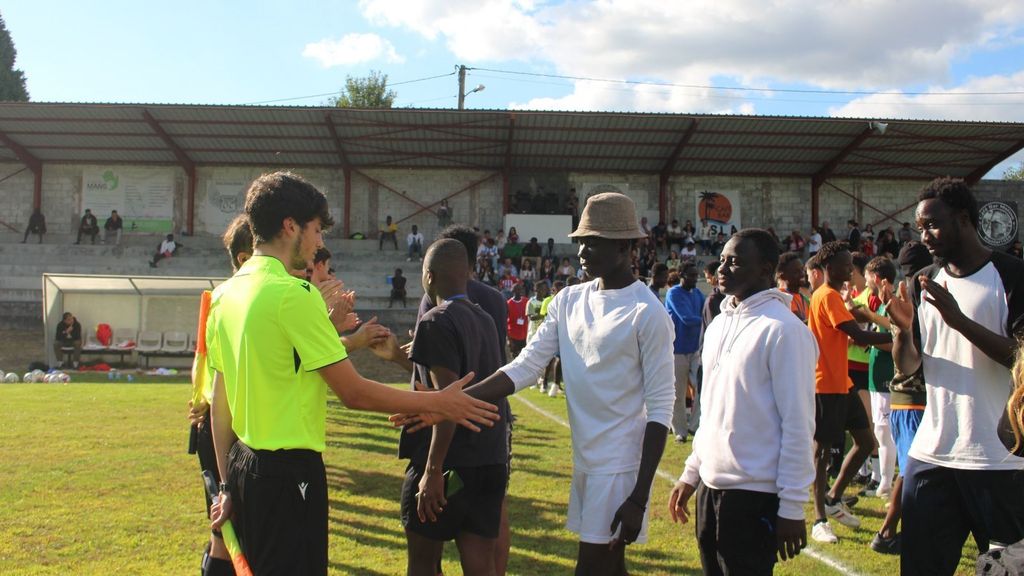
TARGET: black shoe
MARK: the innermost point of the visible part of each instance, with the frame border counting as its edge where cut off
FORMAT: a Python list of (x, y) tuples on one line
[(886, 545), (870, 488), (862, 479)]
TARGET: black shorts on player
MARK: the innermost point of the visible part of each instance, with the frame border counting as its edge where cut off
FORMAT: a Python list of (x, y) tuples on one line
[(475, 508), (834, 414), (200, 442), (283, 494)]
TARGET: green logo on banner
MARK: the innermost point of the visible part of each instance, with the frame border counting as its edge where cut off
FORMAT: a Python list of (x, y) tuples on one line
[(110, 179)]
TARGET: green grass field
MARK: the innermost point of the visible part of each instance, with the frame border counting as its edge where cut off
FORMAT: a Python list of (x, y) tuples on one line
[(95, 480)]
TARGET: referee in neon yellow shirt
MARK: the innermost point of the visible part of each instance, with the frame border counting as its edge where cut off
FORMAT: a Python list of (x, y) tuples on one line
[(275, 353)]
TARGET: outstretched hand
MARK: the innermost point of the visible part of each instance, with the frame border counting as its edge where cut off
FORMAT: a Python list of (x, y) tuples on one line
[(451, 404), (938, 295), (898, 306)]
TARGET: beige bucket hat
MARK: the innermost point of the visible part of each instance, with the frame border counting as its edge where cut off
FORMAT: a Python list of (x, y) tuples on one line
[(609, 215)]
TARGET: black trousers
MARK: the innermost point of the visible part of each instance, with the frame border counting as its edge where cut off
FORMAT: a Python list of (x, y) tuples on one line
[(280, 509), (736, 531), (942, 505)]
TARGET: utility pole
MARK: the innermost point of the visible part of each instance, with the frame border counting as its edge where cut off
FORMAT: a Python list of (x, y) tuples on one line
[(462, 87)]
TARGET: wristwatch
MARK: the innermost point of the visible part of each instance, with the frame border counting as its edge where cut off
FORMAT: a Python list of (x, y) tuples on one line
[(223, 488)]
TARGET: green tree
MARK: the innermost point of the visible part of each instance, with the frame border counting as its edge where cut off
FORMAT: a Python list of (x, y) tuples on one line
[(1014, 172), (12, 82), (369, 92)]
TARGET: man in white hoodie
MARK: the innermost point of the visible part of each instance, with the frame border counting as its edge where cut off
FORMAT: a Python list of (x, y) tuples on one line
[(751, 465)]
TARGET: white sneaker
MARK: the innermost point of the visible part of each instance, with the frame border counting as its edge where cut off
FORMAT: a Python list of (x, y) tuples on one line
[(842, 514), (884, 493), (822, 532), (553, 391)]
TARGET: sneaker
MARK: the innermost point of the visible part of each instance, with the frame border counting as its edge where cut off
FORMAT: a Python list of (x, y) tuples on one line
[(553, 391), (842, 514), (850, 500), (822, 532), (862, 479), (886, 545), (883, 493), (869, 488), (680, 439)]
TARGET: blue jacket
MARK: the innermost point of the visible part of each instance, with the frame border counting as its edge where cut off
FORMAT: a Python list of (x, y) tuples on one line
[(684, 307)]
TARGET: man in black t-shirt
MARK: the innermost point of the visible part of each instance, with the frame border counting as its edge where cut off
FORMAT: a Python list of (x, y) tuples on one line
[(69, 335), (456, 480)]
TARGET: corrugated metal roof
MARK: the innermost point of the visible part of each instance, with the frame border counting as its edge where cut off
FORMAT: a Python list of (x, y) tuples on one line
[(488, 139)]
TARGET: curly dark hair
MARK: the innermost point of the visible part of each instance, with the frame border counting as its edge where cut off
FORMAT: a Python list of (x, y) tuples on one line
[(278, 195), (830, 250), (954, 193), (788, 257), (469, 237)]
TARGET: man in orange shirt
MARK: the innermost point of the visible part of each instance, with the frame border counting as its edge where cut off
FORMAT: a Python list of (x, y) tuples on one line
[(837, 408)]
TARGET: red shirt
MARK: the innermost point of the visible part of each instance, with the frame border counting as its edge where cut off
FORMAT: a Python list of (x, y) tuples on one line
[(517, 322)]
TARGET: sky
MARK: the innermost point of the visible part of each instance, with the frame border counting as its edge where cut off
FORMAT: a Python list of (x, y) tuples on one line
[(925, 59)]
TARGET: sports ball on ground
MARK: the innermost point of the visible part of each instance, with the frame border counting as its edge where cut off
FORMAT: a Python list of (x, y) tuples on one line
[(11, 378)]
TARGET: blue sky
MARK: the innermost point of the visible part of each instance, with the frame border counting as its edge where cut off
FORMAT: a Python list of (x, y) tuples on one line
[(247, 52)]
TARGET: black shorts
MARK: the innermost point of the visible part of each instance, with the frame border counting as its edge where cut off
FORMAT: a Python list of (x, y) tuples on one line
[(476, 508), (834, 414), (200, 442), (280, 509), (860, 379)]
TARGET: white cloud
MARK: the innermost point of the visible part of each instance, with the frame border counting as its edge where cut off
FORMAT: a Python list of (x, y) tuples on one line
[(352, 49), (869, 44)]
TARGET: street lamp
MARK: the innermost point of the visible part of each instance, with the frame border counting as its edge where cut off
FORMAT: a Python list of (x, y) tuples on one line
[(462, 88)]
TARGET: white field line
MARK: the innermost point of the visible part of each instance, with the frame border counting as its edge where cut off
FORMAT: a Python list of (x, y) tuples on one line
[(811, 552)]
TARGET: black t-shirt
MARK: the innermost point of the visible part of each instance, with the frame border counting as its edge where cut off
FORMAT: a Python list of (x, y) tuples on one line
[(460, 336), (398, 284), (112, 224), (490, 300), (64, 335)]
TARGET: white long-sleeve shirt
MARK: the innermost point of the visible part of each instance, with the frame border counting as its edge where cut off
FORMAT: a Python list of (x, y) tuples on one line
[(757, 403), (616, 352)]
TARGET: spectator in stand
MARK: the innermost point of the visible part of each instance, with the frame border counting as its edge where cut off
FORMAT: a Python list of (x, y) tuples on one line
[(795, 242), (688, 230), (704, 237), (684, 303), (551, 203), (868, 233), (397, 288), (414, 240), (499, 240), (675, 235), (551, 247), (517, 321), (444, 215), (547, 271), (533, 252), (689, 253), (572, 208), (513, 249), (507, 280), (488, 275), (906, 234), (69, 335), (659, 235), (528, 275), (388, 231), (887, 244), (507, 266), (815, 242), (113, 226), (36, 225), (643, 226), (88, 227), (674, 262), (537, 202), (1017, 250), (565, 271), (827, 235), (716, 247), (167, 249), (867, 246), (853, 234), (488, 251)]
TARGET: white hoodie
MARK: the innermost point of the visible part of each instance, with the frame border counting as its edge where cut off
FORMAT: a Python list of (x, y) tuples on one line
[(757, 402)]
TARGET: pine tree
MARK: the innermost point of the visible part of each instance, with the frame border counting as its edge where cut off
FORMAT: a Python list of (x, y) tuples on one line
[(12, 82)]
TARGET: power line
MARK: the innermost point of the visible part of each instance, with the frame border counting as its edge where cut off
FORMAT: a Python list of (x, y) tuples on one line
[(336, 92), (748, 89), (763, 99)]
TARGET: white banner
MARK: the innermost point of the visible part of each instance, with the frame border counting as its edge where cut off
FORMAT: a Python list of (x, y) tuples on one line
[(225, 199), (143, 197), (721, 210)]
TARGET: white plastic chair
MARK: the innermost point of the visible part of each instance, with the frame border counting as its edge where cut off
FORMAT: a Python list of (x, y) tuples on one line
[(175, 342), (124, 339), (149, 341)]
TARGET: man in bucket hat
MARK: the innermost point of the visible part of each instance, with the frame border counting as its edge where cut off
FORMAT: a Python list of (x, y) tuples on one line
[(615, 342)]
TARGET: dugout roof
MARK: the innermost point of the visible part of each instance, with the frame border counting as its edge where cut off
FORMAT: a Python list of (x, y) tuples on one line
[(510, 141)]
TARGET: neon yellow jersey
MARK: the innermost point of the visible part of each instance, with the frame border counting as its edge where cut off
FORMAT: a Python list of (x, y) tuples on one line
[(860, 353), (544, 306), (268, 333)]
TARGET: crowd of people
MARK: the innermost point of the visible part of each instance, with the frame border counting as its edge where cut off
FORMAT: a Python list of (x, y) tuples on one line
[(908, 351)]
